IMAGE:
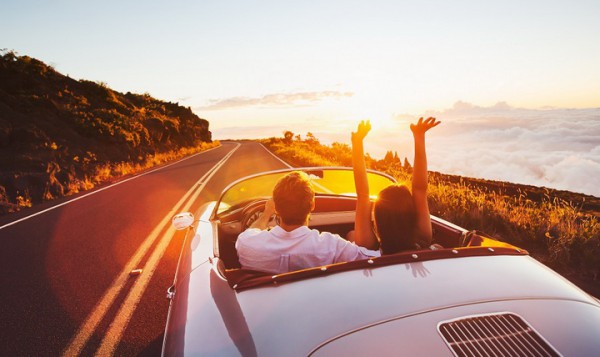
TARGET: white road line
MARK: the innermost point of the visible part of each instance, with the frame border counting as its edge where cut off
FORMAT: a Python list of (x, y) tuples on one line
[(91, 323), (277, 157), (326, 190), (102, 189)]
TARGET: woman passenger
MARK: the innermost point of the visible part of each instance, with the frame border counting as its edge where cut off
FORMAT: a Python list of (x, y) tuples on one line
[(401, 217)]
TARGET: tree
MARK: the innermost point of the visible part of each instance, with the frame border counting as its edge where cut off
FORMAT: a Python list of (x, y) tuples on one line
[(407, 166), (8, 55), (389, 157), (310, 137), (288, 137)]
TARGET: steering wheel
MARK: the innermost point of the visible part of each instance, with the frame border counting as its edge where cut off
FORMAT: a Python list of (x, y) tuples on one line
[(252, 212)]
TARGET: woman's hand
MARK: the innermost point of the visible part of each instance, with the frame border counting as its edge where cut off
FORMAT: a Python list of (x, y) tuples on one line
[(422, 126), (363, 129)]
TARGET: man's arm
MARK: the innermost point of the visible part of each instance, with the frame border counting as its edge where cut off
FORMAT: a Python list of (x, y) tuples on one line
[(263, 221), (346, 251)]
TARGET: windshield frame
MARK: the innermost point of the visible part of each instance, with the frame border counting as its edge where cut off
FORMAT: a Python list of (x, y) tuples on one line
[(281, 172)]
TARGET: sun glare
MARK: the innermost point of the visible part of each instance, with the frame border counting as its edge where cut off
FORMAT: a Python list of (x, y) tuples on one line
[(382, 121), (377, 110), (379, 118)]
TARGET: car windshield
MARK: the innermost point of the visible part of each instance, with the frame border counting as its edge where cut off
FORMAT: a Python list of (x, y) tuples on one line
[(325, 181)]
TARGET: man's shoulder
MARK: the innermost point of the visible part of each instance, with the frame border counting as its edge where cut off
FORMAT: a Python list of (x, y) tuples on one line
[(251, 232), (245, 236)]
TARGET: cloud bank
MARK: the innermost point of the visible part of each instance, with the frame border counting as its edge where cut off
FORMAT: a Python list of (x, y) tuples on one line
[(553, 147), (557, 148), (275, 99)]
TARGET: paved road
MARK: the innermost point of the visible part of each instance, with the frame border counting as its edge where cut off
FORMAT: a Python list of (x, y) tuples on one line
[(64, 272)]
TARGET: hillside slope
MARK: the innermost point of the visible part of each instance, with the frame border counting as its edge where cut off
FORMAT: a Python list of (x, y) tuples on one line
[(59, 135)]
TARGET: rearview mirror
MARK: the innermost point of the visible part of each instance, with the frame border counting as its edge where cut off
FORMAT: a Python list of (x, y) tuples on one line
[(182, 220)]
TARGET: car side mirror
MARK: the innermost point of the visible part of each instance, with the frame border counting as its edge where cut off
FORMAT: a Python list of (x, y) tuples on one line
[(182, 220)]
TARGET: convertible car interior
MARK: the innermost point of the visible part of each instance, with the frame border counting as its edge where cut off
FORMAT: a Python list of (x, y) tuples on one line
[(335, 203), (334, 214)]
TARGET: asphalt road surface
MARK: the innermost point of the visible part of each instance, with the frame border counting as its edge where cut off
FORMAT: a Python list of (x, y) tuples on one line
[(65, 282)]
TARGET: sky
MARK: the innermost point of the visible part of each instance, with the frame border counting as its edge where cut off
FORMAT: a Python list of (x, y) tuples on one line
[(515, 83)]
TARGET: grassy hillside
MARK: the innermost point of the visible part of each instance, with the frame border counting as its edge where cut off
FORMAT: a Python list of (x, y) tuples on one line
[(59, 135), (559, 228)]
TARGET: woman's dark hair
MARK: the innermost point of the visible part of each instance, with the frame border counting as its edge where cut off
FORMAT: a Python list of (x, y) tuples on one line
[(394, 214)]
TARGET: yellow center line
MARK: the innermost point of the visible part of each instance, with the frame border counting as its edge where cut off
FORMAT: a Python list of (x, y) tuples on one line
[(91, 323), (123, 316)]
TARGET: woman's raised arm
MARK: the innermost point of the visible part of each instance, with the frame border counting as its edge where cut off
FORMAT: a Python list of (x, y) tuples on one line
[(423, 233), (363, 233)]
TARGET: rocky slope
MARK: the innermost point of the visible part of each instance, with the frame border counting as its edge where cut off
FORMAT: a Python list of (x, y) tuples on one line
[(56, 132)]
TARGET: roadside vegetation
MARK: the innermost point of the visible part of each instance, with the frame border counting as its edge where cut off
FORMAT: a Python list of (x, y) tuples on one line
[(559, 228), (59, 136)]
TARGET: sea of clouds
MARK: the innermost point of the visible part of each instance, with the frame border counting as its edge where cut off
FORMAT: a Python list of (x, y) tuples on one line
[(552, 147), (556, 148)]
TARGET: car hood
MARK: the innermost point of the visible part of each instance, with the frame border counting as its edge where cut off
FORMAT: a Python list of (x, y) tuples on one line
[(550, 327), (311, 315)]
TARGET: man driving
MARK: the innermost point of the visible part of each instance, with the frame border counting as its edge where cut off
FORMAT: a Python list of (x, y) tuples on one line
[(291, 245)]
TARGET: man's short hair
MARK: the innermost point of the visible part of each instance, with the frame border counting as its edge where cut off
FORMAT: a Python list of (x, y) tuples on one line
[(293, 196)]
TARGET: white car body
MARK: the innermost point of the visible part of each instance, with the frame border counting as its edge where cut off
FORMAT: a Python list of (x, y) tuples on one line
[(489, 299)]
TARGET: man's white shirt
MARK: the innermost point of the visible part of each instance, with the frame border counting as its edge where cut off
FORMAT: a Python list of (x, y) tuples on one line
[(279, 251)]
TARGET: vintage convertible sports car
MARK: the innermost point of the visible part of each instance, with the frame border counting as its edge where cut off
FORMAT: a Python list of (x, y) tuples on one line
[(475, 297)]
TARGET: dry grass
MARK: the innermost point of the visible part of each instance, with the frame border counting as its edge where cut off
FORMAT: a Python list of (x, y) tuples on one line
[(109, 171), (555, 231), (24, 200), (98, 173)]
